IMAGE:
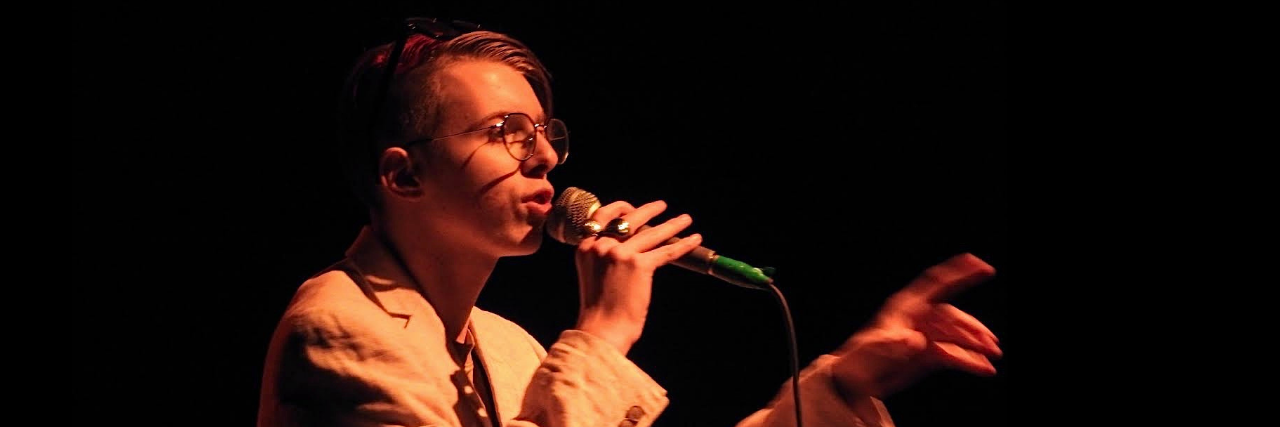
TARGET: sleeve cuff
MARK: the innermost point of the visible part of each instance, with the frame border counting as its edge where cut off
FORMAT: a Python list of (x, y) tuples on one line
[(585, 381), (823, 405)]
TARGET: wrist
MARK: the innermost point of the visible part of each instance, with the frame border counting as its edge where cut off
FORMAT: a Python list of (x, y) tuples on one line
[(864, 405), (621, 337)]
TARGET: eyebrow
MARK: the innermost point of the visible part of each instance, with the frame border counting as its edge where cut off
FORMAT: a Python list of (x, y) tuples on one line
[(501, 114), (492, 116)]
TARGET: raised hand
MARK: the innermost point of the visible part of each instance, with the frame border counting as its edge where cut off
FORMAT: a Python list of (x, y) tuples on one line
[(917, 332)]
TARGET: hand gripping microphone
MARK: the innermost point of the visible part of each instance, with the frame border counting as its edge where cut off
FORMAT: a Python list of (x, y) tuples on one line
[(574, 207)]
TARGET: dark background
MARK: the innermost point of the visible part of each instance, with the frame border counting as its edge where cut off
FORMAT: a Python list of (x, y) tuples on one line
[(849, 146)]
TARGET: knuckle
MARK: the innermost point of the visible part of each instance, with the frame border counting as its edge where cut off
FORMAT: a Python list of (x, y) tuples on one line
[(622, 256), (601, 251)]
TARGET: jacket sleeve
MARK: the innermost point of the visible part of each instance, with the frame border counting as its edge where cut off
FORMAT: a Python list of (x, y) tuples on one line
[(822, 403), (585, 381)]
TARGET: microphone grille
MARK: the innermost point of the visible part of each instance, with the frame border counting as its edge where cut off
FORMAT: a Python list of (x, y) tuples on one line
[(572, 209)]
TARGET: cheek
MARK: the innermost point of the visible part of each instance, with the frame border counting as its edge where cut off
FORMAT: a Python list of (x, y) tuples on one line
[(491, 168), (481, 175)]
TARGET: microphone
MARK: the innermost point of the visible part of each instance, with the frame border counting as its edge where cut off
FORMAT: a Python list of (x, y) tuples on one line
[(575, 206)]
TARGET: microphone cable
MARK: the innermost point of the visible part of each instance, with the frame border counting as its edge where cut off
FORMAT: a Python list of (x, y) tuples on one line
[(793, 353)]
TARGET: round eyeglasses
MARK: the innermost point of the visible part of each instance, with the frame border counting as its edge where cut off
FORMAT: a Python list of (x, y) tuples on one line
[(520, 134)]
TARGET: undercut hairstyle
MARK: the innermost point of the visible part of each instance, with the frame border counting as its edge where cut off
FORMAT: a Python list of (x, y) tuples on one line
[(412, 108)]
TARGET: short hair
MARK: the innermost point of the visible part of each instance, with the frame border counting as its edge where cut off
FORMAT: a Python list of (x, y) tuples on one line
[(412, 108)]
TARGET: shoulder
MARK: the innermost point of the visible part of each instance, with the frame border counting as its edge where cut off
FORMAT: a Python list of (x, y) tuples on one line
[(331, 305), (328, 289)]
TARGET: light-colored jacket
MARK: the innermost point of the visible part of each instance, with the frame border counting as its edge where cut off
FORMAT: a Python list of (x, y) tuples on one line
[(359, 345)]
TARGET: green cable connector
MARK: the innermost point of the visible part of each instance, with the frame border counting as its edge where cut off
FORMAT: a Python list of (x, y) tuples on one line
[(739, 273)]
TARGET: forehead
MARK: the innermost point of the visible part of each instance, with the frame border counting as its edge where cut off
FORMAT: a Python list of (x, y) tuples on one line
[(472, 90)]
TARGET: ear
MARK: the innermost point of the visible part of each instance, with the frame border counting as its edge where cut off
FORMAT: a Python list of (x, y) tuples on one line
[(397, 174)]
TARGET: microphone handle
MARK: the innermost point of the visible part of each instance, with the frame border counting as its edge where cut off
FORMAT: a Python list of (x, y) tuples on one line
[(706, 261)]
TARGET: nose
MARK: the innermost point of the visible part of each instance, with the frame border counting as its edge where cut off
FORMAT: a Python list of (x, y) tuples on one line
[(544, 157)]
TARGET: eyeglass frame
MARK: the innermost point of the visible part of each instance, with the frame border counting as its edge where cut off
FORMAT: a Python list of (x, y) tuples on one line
[(442, 32), (532, 139)]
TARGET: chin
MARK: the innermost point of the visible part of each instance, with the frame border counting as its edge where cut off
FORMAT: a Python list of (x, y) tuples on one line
[(530, 244)]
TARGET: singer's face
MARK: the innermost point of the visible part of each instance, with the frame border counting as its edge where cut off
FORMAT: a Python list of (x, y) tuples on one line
[(476, 194)]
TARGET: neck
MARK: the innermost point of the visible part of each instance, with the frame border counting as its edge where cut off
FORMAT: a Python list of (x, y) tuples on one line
[(449, 278)]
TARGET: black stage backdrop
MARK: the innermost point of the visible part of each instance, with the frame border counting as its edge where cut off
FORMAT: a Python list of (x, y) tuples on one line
[(849, 146)]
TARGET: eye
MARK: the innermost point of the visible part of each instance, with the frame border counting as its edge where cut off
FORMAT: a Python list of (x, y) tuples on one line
[(495, 131), (518, 129)]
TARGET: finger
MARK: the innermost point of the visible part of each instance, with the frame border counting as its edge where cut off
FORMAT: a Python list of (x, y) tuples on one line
[(644, 213), (953, 333), (957, 357), (611, 211), (602, 216), (956, 324), (672, 252), (958, 336), (941, 281), (597, 245), (948, 323), (650, 237)]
